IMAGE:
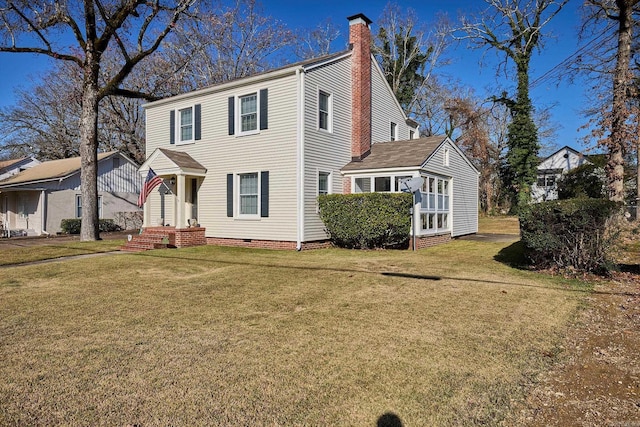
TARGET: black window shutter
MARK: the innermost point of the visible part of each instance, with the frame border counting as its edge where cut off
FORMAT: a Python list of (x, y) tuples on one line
[(230, 195), (264, 194), (172, 127), (264, 102), (231, 115), (197, 113)]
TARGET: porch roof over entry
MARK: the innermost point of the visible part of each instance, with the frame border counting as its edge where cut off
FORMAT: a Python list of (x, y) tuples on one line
[(171, 162)]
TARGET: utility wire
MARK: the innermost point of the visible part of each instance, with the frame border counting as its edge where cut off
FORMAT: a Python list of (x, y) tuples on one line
[(571, 58)]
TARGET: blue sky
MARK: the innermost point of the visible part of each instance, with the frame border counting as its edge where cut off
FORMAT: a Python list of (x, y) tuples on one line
[(567, 99)]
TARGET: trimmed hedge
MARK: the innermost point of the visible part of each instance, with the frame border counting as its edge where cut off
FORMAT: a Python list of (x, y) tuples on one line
[(72, 225), (576, 233), (367, 220)]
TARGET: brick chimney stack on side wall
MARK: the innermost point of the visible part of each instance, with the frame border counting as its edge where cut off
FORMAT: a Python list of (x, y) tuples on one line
[(360, 41)]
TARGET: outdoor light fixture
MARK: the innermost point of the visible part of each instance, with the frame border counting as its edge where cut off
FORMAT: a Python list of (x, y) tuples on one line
[(172, 181)]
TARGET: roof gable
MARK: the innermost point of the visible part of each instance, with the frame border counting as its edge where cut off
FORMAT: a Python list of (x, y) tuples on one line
[(565, 158), (172, 162)]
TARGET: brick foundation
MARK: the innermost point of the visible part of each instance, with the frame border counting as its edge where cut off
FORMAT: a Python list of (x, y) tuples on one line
[(267, 244), (428, 241)]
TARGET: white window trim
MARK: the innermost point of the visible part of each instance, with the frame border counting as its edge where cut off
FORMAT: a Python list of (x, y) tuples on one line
[(445, 155), (178, 126), (329, 181), (238, 124), (329, 113), (372, 180), (238, 207), (426, 209)]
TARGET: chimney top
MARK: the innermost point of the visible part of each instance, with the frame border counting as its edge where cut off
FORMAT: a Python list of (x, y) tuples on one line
[(359, 18)]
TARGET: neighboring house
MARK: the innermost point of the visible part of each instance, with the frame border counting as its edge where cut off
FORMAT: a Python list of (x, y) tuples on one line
[(8, 168), (35, 201), (551, 169), (247, 159)]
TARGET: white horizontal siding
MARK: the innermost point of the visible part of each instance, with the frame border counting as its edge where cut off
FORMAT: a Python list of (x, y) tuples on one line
[(384, 110), (464, 185), (324, 151), (273, 150)]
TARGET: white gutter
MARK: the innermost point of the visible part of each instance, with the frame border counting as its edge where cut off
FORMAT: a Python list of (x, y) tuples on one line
[(300, 159)]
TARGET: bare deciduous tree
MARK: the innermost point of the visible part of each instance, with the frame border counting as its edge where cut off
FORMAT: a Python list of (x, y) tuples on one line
[(45, 27), (408, 52), (615, 117), (514, 29)]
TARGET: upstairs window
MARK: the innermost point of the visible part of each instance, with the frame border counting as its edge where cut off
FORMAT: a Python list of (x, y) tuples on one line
[(249, 113), (411, 134), (186, 124), (324, 111), (445, 160), (393, 131)]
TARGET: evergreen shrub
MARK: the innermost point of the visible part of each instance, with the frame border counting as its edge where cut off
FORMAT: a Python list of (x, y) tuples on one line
[(72, 225), (367, 220), (574, 234)]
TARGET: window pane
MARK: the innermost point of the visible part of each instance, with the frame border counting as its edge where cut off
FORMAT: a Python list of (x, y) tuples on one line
[(432, 185), (398, 179), (363, 185), (249, 194), (383, 183), (323, 183), (432, 201), (432, 220), (186, 124), (424, 222), (324, 102), (323, 111), (248, 104), (393, 131), (446, 203), (249, 112), (324, 120), (541, 181), (185, 116)]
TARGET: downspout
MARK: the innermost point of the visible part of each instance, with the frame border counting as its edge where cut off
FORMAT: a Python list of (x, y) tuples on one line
[(300, 159)]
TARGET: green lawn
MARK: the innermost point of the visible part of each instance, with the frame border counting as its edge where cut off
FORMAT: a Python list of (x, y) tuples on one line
[(499, 225), (16, 252), (223, 336)]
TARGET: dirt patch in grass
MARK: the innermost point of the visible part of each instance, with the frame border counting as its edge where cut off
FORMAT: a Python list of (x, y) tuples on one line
[(597, 382)]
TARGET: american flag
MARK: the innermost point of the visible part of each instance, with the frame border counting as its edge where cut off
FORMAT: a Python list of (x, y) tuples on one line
[(151, 182)]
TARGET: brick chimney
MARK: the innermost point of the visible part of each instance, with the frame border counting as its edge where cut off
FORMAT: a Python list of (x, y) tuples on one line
[(360, 44)]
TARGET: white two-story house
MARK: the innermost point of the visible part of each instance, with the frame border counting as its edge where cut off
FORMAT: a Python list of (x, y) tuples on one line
[(246, 160)]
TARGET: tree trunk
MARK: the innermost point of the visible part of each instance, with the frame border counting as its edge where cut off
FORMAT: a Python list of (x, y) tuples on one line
[(615, 165), (89, 153)]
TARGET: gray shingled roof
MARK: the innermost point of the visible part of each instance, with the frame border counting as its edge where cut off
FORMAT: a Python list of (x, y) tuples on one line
[(53, 169), (397, 154), (182, 159)]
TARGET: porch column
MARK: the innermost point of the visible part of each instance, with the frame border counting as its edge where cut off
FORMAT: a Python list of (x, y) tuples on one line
[(181, 204), (146, 215)]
